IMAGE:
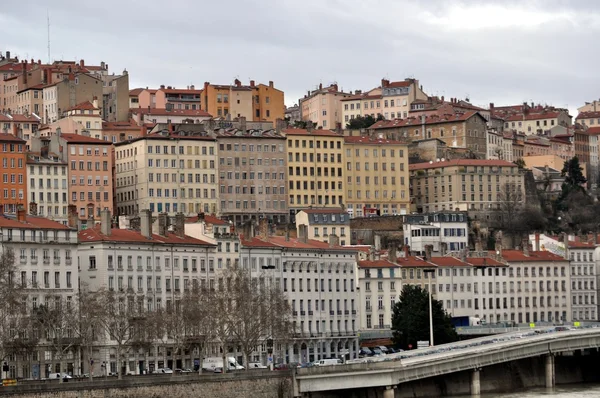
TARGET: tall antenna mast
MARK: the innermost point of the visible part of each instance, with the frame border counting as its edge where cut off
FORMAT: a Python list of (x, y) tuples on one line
[(48, 18)]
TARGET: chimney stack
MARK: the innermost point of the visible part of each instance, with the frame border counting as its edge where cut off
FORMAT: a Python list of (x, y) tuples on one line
[(21, 213), (287, 235), (180, 225), (406, 251), (251, 83), (377, 242), (163, 224), (537, 242), (309, 126), (333, 240), (428, 250), (263, 229), (243, 125), (302, 233), (73, 217), (105, 222), (200, 217), (525, 244), (392, 253), (33, 208), (146, 223)]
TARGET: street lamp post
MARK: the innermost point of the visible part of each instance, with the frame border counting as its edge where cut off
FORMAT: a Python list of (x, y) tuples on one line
[(270, 349), (429, 272)]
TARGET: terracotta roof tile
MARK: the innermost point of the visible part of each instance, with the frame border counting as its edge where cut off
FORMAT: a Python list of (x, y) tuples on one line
[(131, 236), (335, 210), (208, 219), (377, 264), (179, 91), (31, 222), (484, 261), (11, 138), (315, 132), (135, 92), (82, 139), (310, 244), (462, 162), (518, 255), (371, 141), (447, 261), (435, 118), (174, 112), (413, 261), (588, 115), (84, 106)]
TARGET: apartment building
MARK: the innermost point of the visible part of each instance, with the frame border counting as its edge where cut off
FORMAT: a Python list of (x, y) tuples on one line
[(115, 97), (121, 131), (14, 173), (444, 231), (380, 286), (321, 223), (584, 289), (46, 261), (463, 184), (82, 119), (415, 270), (590, 118), (541, 283), (89, 171), (323, 106), (48, 186), (357, 105), (315, 169), (166, 97), (154, 269), (398, 96), (458, 129), (72, 90), (165, 116), (318, 279), (252, 175), (531, 119), (377, 176), (167, 171), (23, 126)]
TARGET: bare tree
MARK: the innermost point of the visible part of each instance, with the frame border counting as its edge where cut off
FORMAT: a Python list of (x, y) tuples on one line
[(89, 318), (223, 306), (59, 323), (197, 314), (118, 317), (260, 313)]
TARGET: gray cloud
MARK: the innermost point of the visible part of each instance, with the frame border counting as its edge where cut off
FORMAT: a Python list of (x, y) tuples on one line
[(494, 51)]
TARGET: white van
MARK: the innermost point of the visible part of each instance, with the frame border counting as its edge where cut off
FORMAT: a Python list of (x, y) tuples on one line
[(59, 376), (212, 363), (256, 365), (328, 362)]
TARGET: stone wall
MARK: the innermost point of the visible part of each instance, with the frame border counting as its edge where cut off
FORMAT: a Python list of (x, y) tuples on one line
[(255, 385)]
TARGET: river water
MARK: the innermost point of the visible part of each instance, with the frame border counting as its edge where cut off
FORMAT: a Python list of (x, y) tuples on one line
[(568, 391)]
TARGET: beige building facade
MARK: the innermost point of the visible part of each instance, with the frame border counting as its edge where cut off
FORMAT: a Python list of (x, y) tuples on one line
[(376, 176), (315, 169), (167, 172), (323, 106), (115, 97), (67, 93), (463, 184), (252, 175)]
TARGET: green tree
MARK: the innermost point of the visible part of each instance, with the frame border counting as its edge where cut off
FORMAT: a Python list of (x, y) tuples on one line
[(410, 321), (573, 174), (363, 122)]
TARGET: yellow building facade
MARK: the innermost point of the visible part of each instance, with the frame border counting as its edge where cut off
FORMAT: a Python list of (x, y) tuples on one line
[(376, 176), (315, 169)]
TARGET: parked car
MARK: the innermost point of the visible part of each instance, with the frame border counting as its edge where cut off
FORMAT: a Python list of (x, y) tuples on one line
[(383, 349), (218, 370), (64, 376), (183, 371), (256, 365), (164, 371), (365, 352), (328, 362), (377, 351)]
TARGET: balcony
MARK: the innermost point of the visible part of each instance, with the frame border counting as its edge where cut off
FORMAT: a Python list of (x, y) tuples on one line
[(47, 285), (46, 260), (23, 260), (346, 312), (369, 309), (68, 260), (34, 260), (331, 312), (295, 313), (310, 312), (56, 260), (302, 313), (353, 312)]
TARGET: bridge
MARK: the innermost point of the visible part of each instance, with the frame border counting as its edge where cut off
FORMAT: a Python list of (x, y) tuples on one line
[(387, 372)]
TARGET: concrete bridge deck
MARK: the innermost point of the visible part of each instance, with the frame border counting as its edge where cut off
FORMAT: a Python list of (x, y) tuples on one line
[(473, 355)]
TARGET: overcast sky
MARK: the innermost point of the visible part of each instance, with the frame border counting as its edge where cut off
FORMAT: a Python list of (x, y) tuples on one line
[(491, 51)]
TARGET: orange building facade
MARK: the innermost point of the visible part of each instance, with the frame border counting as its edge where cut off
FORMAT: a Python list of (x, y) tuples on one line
[(13, 185)]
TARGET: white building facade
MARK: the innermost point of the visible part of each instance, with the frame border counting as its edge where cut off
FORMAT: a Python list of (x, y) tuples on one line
[(48, 188), (583, 281), (380, 285), (446, 231)]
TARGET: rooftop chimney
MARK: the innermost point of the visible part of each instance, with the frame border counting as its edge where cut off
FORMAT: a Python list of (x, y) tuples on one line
[(309, 126), (73, 217), (263, 228), (392, 253), (163, 224), (146, 223), (537, 242), (200, 217), (105, 222), (428, 250), (271, 83), (406, 251), (320, 86), (82, 63), (302, 233), (243, 125), (237, 83), (180, 225), (525, 244), (377, 242), (334, 240), (21, 213), (251, 83)]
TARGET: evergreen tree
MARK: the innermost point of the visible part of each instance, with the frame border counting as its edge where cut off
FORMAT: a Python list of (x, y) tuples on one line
[(410, 320)]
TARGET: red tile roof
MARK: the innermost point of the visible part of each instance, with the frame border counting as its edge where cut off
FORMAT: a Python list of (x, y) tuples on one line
[(131, 236), (315, 132), (208, 219), (593, 130), (435, 118), (310, 244), (371, 141), (377, 264), (519, 256), (324, 211), (84, 106), (461, 162), (412, 261), (179, 91), (82, 139), (484, 261), (11, 138), (257, 242), (532, 116), (588, 115), (403, 83), (17, 117), (447, 261), (174, 112), (135, 92), (31, 222), (581, 245)]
